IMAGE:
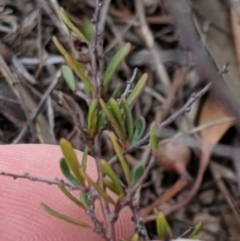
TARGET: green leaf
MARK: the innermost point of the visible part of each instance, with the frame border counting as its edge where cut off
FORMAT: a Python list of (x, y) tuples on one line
[(163, 228), (112, 119), (71, 26), (109, 184), (92, 117), (137, 90), (71, 197), (84, 199), (196, 231), (74, 66), (96, 186), (87, 29), (114, 63), (66, 172), (129, 118), (137, 173), (85, 158), (116, 92), (71, 159), (68, 77), (135, 237), (153, 138), (64, 217), (114, 108), (101, 120), (140, 128), (121, 158), (107, 169)]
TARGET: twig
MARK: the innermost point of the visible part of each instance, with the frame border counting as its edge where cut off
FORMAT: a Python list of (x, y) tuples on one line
[(217, 177), (43, 180), (98, 226), (190, 39), (103, 15), (35, 113), (110, 231), (177, 187), (149, 40), (168, 121), (129, 83), (94, 54)]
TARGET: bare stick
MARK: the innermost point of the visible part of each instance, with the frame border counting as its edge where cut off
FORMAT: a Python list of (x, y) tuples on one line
[(94, 54), (129, 83), (39, 179)]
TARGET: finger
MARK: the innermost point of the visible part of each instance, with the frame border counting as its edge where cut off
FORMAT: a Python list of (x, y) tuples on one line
[(21, 217)]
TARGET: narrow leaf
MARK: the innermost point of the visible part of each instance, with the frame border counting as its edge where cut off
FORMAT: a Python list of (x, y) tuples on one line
[(116, 92), (153, 138), (196, 231), (129, 118), (66, 172), (109, 184), (163, 228), (92, 118), (112, 120), (101, 120), (120, 156), (84, 199), (71, 197), (135, 237), (87, 29), (137, 173), (71, 26), (114, 108), (64, 217), (107, 169), (114, 63), (85, 158), (140, 128), (74, 66), (71, 159), (97, 187), (137, 89), (68, 77)]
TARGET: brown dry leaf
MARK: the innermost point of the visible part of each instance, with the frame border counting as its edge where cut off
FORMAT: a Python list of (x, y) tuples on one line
[(213, 111), (214, 16)]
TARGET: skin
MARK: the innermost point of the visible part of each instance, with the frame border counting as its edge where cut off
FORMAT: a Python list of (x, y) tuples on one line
[(21, 216)]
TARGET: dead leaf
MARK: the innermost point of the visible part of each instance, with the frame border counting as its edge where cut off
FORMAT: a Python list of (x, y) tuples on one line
[(213, 111)]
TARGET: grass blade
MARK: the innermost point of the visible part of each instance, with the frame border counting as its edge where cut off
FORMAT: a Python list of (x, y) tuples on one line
[(107, 169), (71, 26), (68, 77), (114, 63), (71, 159), (137, 89), (64, 217), (140, 128), (129, 118), (96, 187), (71, 197), (121, 158), (112, 119)]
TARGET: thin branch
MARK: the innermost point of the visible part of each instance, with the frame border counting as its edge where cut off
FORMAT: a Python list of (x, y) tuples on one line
[(149, 40), (104, 205), (127, 91), (38, 109), (94, 45), (169, 120), (43, 180)]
